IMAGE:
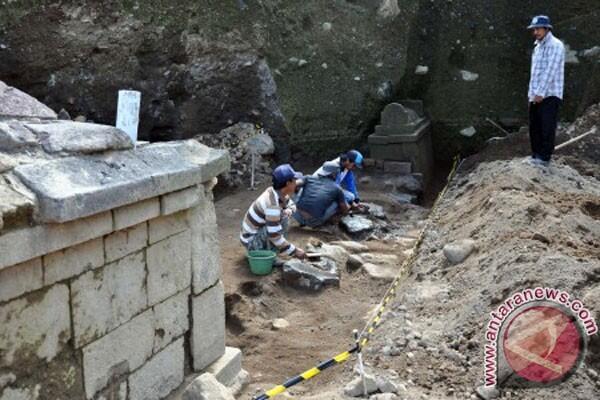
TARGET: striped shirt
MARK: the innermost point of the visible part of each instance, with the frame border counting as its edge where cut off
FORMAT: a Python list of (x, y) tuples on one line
[(547, 68), (267, 210)]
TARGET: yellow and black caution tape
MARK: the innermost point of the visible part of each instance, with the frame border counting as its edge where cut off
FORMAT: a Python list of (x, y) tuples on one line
[(373, 323)]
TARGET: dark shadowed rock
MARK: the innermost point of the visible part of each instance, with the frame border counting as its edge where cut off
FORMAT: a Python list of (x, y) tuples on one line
[(310, 276)]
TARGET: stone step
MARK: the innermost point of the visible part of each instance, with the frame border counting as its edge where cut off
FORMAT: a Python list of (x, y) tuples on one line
[(227, 368)]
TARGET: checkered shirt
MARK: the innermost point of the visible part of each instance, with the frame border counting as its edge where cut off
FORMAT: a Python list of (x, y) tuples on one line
[(547, 68)]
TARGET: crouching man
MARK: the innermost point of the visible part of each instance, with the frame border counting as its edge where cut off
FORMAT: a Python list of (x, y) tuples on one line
[(344, 175), (321, 198), (265, 224)]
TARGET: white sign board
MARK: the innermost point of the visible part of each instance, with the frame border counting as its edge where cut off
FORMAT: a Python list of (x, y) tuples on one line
[(128, 112)]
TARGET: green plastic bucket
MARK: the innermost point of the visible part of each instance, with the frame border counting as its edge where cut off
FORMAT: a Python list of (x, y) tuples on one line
[(261, 261)]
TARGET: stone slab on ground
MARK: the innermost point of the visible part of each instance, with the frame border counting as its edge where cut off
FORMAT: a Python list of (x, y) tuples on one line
[(161, 375), (380, 272), (119, 352), (310, 276), (357, 224), (227, 368), (37, 325), (208, 327), (75, 187)]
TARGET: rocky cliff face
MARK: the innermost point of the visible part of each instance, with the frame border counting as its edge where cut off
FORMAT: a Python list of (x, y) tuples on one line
[(315, 74)]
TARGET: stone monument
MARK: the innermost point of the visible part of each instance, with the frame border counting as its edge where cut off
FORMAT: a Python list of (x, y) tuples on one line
[(404, 136)]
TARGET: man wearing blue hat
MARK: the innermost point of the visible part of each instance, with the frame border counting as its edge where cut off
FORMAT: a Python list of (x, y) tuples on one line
[(344, 176), (545, 90), (266, 221)]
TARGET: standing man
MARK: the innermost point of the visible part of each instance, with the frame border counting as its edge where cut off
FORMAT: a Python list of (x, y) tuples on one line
[(266, 221), (545, 90), (344, 175)]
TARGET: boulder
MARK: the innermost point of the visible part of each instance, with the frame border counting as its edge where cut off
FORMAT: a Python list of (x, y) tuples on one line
[(310, 276), (458, 251), (206, 387), (261, 144), (355, 388), (357, 224)]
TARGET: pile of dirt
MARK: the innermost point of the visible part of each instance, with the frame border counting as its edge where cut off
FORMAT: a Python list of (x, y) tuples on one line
[(530, 227)]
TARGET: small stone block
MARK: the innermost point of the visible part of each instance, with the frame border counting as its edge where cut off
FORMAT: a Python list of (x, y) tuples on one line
[(226, 368), (20, 279), (136, 213)]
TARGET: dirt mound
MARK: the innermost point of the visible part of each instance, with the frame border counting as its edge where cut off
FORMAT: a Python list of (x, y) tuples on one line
[(531, 227)]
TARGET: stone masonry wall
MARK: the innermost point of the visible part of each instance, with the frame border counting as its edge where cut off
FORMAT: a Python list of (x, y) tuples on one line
[(128, 303)]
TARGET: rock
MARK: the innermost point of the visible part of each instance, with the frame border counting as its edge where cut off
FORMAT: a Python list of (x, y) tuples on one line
[(388, 9), (336, 253), (384, 396), (302, 62), (206, 387), (355, 387), (327, 26), (80, 118), (404, 198), (64, 115), (17, 104), (356, 224), (421, 70), (385, 385), (351, 246), (397, 167), (593, 52), (6, 379), (468, 76), (364, 180), (261, 144), (487, 392), (78, 137), (15, 136), (540, 238), (280, 323), (469, 131), (457, 252), (379, 272), (310, 276), (239, 382), (375, 210), (385, 90), (354, 262), (408, 184)]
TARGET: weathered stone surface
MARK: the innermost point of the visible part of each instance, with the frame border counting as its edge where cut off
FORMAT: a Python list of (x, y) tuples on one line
[(351, 246), (375, 210), (124, 242), (409, 184), (75, 187), (27, 243), (357, 224), (227, 367), (404, 198), (206, 387), (397, 167), (14, 103), (36, 325), (160, 375), (136, 213), (208, 327), (15, 136), (206, 258), (114, 392), (355, 388), (260, 144), (354, 262), (21, 279), (163, 227), (119, 352), (169, 267), (171, 319), (73, 261), (379, 271), (239, 383), (310, 276), (279, 324), (180, 200), (79, 137), (456, 252), (107, 298), (21, 393), (16, 209)]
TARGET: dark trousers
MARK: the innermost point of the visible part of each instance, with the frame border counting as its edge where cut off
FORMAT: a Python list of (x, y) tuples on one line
[(543, 118)]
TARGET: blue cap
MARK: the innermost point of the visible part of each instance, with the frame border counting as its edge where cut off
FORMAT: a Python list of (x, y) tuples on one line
[(355, 157), (285, 173), (540, 21)]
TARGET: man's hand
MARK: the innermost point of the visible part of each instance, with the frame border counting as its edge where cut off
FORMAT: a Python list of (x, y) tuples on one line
[(288, 212), (538, 99), (299, 253)]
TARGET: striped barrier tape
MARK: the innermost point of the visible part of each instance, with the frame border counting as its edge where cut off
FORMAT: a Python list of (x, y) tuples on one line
[(373, 323)]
